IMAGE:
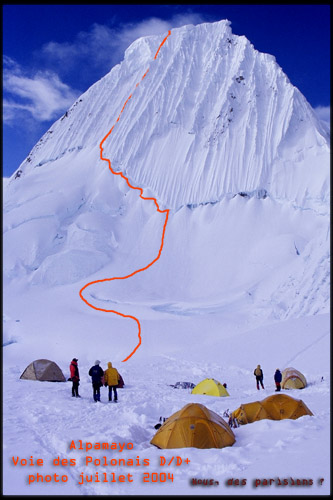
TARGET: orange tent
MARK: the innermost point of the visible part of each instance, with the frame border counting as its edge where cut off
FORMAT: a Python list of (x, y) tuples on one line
[(194, 426), (275, 407)]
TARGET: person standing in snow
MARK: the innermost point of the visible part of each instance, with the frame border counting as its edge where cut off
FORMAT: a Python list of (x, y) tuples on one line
[(259, 374), (96, 373), (277, 379), (111, 379), (75, 377)]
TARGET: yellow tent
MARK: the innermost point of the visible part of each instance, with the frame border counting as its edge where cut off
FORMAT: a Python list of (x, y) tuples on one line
[(194, 426), (250, 412), (275, 407), (210, 387), (293, 379)]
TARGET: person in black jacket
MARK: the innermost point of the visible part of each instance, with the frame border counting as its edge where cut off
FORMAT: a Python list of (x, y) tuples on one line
[(277, 379), (259, 374), (96, 374)]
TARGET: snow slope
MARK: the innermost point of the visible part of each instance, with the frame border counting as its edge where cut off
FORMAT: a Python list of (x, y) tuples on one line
[(222, 139)]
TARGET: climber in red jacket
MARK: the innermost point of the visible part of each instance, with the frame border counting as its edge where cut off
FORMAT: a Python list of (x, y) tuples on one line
[(75, 377)]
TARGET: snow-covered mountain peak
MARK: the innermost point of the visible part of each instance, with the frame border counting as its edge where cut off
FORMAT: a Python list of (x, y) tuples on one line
[(215, 131), (213, 117)]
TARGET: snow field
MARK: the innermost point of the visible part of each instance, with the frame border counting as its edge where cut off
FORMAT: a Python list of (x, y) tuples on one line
[(41, 418)]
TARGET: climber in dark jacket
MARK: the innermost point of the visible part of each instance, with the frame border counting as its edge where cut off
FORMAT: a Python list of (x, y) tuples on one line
[(277, 379), (259, 374), (75, 377), (96, 374)]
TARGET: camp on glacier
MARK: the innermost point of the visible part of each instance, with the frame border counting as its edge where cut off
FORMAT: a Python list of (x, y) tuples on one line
[(215, 132)]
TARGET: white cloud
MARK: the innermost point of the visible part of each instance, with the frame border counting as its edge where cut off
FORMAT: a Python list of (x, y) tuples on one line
[(42, 95), (155, 26), (89, 46), (104, 46), (324, 113)]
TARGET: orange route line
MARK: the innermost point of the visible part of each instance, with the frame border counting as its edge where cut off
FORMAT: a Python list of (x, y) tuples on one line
[(166, 212)]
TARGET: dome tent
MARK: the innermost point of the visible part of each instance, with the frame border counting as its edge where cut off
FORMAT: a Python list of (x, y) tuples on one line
[(250, 412), (194, 426), (210, 387), (44, 370), (293, 379), (275, 407)]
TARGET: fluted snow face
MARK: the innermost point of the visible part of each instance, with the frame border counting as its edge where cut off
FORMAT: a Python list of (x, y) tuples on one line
[(212, 118)]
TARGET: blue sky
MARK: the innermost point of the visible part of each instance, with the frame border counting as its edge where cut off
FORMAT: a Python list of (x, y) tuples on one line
[(53, 53)]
